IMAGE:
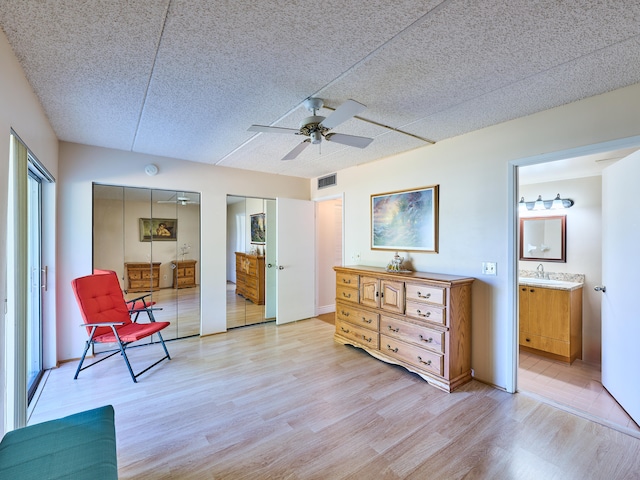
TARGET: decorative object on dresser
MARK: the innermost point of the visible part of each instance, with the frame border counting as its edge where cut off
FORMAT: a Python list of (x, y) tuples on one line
[(405, 220), (421, 321), (184, 273), (250, 277), (142, 276)]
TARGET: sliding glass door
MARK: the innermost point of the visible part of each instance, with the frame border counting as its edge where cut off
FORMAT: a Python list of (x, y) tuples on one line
[(34, 301)]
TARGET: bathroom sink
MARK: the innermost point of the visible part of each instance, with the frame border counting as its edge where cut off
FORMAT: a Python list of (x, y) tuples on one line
[(547, 282)]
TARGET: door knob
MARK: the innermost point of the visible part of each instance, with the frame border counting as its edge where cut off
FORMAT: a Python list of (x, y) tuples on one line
[(599, 288), (270, 265), (280, 267)]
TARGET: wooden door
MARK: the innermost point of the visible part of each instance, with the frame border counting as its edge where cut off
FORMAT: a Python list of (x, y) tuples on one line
[(392, 296), (549, 313), (523, 298), (370, 291), (620, 265)]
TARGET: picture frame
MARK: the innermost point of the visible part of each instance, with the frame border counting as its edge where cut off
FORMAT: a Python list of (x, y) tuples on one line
[(258, 229), (158, 229), (405, 220)]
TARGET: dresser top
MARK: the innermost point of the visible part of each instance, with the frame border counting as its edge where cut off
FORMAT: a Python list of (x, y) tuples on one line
[(406, 276)]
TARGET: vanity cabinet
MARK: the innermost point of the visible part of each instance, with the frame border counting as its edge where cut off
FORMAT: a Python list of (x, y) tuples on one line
[(142, 276), (250, 275), (551, 322), (420, 321), (184, 273)]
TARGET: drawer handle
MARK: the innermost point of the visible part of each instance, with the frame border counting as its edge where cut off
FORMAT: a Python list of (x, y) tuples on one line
[(344, 280), (344, 330), (344, 314), (527, 339), (396, 330), (428, 314), (394, 350), (428, 295), (364, 337), (346, 295), (366, 320), (427, 340), (428, 362)]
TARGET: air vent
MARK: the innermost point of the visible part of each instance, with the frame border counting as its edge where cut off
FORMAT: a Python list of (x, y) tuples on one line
[(328, 181)]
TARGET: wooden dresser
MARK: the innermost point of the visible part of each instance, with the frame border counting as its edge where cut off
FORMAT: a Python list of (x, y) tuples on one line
[(184, 273), (421, 321), (250, 277), (142, 277)]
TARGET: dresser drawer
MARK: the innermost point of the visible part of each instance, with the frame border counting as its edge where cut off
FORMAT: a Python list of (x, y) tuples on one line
[(425, 293), (347, 279), (357, 317), (419, 357), (423, 311), (412, 333), (360, 335), (347, 294)]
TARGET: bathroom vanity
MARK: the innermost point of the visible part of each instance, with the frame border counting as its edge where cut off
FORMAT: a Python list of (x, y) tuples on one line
[(551, 318)]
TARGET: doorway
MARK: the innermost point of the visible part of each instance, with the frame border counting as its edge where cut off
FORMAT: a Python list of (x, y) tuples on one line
[(577, 386)]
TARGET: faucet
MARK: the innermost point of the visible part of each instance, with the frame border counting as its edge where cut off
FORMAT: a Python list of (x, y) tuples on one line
[(540, 271)]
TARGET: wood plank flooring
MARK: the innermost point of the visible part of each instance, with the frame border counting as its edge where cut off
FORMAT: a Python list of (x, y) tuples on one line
[(268, 401)]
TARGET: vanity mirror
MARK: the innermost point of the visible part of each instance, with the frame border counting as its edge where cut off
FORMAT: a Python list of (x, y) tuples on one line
[(543, 238)]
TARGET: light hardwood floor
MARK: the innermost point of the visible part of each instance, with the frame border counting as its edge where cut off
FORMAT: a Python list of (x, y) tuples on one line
[(268, 401), (576, 387)]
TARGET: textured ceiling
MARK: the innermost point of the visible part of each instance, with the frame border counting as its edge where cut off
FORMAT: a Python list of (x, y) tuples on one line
[(186, 78)]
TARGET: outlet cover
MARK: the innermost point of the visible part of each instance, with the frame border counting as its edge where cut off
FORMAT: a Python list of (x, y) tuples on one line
[(489, 268)]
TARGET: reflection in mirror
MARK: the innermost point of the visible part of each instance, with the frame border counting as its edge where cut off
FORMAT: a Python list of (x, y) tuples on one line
[(543, 238), (249, 288), (151, 239)]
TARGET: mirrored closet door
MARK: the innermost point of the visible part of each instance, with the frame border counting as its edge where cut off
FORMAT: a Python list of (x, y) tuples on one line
[(250, 266), (151, 239)]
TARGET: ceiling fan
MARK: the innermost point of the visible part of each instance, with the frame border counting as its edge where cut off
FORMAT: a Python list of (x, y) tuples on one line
[(317, 127), (179, 199)]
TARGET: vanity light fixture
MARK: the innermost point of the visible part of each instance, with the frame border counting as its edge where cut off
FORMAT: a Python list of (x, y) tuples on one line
[(540, 204)]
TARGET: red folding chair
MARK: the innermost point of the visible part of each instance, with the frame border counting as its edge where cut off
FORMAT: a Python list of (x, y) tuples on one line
[(135, 305), (108, 318)]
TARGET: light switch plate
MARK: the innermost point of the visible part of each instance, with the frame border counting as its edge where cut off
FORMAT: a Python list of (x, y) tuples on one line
[(489, 268)]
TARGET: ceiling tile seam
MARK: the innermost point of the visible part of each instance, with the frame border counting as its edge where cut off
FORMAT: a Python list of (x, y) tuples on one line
[(379, 48), (151, 72), (521, 80), (370, 55)]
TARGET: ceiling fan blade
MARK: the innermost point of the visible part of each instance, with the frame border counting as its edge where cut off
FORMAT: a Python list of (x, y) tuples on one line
[(296, 151), (343, 113), (351, 140), (267, 129)]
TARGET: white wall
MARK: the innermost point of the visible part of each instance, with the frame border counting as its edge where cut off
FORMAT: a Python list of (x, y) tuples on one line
[(474, 174), (20, 109), (80, 165), (328, 252), (584, 248)]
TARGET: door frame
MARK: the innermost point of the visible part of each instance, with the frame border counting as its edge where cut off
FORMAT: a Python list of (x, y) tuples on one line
[(512, 251)]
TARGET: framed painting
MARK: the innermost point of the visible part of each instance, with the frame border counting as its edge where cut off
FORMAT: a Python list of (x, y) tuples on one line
[(405, 220), (158, 229), (258, 229)]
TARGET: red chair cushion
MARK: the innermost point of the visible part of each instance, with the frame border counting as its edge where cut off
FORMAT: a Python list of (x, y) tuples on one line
[(132, 332)]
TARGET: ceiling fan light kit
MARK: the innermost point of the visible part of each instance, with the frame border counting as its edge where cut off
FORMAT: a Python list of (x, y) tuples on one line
[(317, 127)]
